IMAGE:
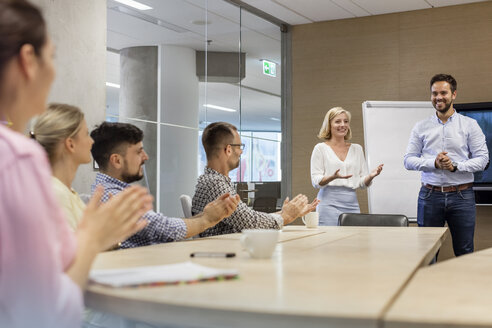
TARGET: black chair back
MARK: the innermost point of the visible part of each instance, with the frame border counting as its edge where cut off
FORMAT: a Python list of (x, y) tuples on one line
[(265, 204), (380, 220)]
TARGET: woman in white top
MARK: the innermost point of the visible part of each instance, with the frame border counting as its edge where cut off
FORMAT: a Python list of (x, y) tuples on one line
[(338, 168), (62, 131)]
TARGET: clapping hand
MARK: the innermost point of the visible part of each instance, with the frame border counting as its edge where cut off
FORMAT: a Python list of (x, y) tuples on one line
[(106, 224), (294, 208), (310, 207), (443, 162), (221, 208)]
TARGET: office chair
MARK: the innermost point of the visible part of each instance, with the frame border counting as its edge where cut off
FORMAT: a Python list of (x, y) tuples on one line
[(381, 220), (265, 204), (85, 198), (241, 188), (186, 205)]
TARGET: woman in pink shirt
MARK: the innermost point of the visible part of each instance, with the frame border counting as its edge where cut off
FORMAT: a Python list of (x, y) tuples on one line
[(43, 266)]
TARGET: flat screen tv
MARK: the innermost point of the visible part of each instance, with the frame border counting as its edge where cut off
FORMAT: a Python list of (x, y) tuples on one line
[(482, 113)]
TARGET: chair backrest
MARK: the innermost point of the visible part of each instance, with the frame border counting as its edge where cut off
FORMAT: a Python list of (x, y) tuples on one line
[(85, 198), (267, 189), (186, 205), (241, 188), (265, 204), (382, 220)]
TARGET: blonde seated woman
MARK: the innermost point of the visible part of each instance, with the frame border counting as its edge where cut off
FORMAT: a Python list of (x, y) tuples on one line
[(63, 133)]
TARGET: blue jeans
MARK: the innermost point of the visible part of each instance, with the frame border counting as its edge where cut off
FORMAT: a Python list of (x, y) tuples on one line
[(457, 208)]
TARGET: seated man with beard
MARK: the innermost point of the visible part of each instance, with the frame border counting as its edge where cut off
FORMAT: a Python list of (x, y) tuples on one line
[(223, 147), (118, 150)]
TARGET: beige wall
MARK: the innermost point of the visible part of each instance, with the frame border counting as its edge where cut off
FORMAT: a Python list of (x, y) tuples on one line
[(78, 30), (385, 57)]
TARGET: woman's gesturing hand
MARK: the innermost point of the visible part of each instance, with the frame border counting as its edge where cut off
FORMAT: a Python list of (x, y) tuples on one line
[(376, 171), (337, 175)]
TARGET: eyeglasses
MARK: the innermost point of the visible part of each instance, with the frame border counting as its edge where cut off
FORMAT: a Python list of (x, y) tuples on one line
[(239, 145)]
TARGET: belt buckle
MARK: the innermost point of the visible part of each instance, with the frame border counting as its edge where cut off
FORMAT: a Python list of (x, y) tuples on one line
[(442, 188)]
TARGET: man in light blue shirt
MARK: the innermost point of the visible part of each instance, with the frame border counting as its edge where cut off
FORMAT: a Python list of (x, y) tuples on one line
[(448, 148)]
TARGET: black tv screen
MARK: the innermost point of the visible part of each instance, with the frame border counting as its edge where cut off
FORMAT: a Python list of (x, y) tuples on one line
[(482, 113)]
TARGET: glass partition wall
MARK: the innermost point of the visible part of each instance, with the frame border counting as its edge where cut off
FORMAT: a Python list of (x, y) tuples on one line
[(183, 64)]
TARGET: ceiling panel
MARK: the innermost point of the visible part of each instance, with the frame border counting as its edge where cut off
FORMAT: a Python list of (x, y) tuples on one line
[(443, 3), (317, 10), (378, 7), (279, 11), (260, 26), (138, 29), (352, 7), (296, 12), (218, 7)]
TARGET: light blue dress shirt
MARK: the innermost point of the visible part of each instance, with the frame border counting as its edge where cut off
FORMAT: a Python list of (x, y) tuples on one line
[(460, 136)]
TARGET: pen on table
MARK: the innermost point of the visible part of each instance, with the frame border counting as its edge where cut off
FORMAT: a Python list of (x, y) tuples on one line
[(212, 254)]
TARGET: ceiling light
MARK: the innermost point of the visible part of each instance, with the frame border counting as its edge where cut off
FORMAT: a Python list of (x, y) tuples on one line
[(274, 119), (134, 4), (112, 85), (225, 109)]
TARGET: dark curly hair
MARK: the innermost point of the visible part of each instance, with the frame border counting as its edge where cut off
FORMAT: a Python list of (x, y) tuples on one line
[(109, 138), (445, 78)]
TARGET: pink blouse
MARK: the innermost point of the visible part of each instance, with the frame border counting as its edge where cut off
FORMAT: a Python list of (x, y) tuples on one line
[(36, 245)]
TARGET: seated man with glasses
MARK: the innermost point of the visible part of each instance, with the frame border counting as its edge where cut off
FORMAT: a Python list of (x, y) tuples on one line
[(119, 152), (223, 147)]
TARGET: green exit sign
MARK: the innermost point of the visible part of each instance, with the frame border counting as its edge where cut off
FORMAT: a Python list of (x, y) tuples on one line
[(269, 68)]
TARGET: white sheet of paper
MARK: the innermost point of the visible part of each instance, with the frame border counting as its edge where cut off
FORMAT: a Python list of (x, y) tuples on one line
[(171, 273)]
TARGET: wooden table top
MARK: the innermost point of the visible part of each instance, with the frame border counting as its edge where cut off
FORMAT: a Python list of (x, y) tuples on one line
[(346, 276), (453, 293)]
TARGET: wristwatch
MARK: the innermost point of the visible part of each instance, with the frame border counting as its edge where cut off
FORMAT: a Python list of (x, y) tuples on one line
[(455, 166)]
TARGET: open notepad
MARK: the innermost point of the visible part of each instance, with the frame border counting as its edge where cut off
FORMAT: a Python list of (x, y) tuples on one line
[(186, 272)]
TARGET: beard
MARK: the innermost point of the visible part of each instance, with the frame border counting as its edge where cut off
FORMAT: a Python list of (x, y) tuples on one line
[(129, 178), (447, 106)]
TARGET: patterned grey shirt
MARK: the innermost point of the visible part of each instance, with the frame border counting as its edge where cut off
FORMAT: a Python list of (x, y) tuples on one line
[(211, 185), (160, 229)]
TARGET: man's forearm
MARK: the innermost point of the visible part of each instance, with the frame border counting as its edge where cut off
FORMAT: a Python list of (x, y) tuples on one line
[(197, 224), (416, 163)]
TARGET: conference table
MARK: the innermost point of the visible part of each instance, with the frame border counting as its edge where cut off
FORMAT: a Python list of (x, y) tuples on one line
[(322, 277), (454, 293)]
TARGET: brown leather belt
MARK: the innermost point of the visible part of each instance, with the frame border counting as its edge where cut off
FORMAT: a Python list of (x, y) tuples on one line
[(449, 188)]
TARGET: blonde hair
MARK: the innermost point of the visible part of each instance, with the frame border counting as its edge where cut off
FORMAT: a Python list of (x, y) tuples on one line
[(325, 131), (59, 122)]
